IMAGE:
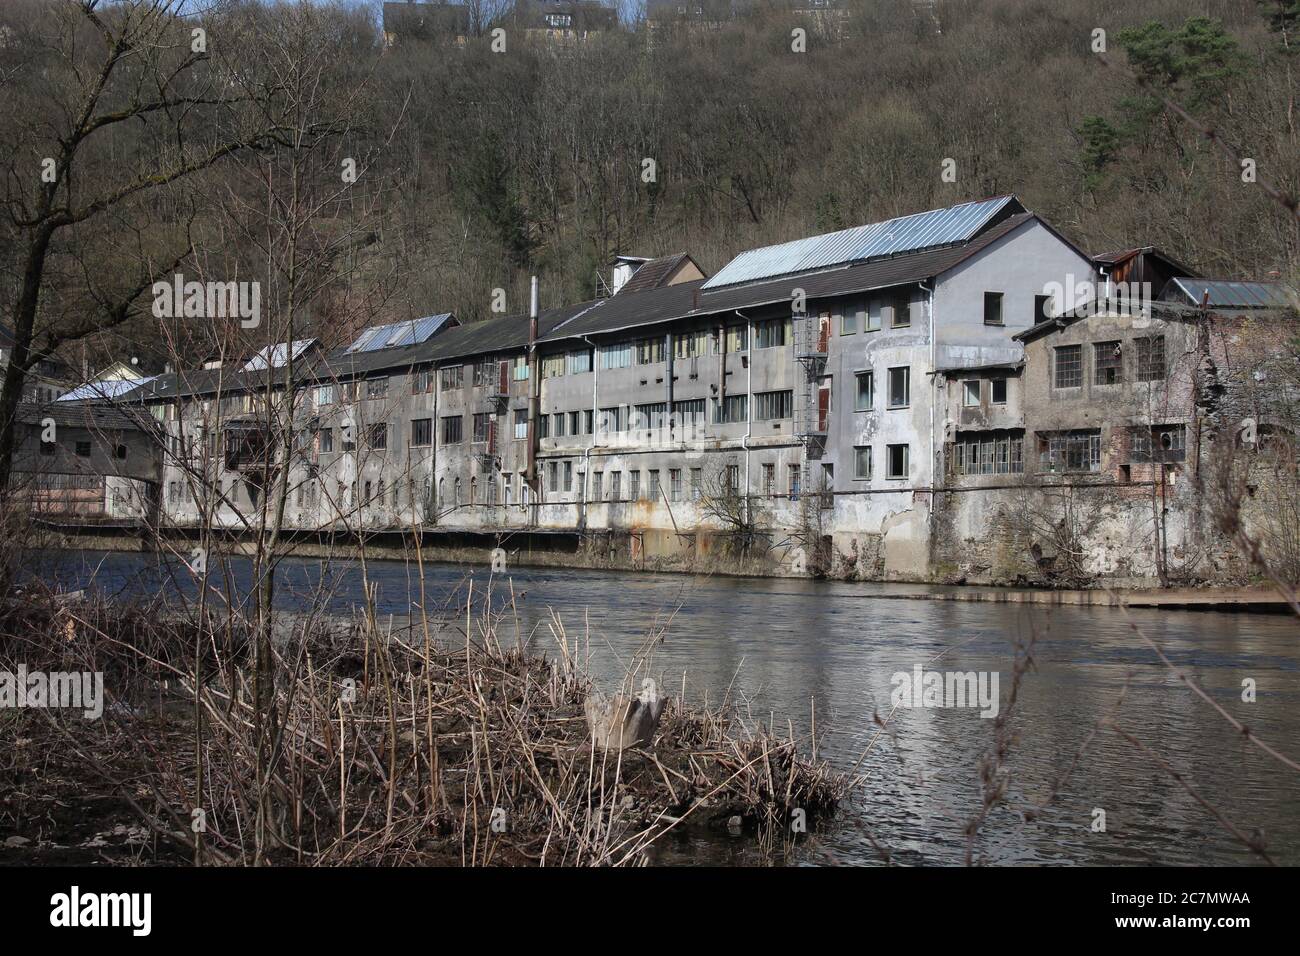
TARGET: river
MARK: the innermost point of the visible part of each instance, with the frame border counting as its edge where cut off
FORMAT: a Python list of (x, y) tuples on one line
[(783, 646)]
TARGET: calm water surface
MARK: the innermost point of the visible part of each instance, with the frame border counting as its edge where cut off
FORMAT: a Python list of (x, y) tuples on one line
[(779, 646)]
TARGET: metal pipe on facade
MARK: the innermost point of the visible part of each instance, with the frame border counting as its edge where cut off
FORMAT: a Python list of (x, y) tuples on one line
[(534, 391)]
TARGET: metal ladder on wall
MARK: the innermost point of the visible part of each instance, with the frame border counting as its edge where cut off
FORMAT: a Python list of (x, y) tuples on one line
[(810, 345)]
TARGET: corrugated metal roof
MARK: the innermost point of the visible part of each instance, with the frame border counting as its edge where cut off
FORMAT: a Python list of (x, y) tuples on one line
[(925, 230), (1225, 294)]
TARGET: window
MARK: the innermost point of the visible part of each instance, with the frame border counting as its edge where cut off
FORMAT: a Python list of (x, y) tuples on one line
[(970, 393), (773, 333), (634, 485), (654, 484), (650, 351), (453, 429), (988, 453), (422, 381), (575, 423), (452, 377), (896, 461), (377, 387), (690, 344), (690, 412), (324, 440), (1070, 451), (482, 425), (849, 322), (900, 387), (558, 422), (324, 396), (366, 492), (552, 365), (83, 449), (737, 338), (993, 308), (521, 423), (769, 480), (613, 419), (568, 476), (552, 476), (795, 480), (902, 311), (697, 476), (1042, 308), (1159, 443), (769, 406), (616, 356), (999, 391), (597, 485), (866, 392), (675, 484), (615, 486), (653, 415), (733, 478), (485, 372), (543, 426), (378, 438), (1107, 363), (579, 361), (422, 432), (1151, 358), (862, 462), (1069, 366), (733, 408), (520, 370)]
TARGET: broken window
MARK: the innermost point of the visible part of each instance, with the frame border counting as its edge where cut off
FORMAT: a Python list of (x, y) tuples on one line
[(453, 427), (862, 462), (769, 480), (1078, 450), (675, 484), (1108, 363), (866, 394), (1069, 366), (1159, 443), (896, 461), (482, 424), (1151, 358), (1042, 308), (452, 377), (998, 452)]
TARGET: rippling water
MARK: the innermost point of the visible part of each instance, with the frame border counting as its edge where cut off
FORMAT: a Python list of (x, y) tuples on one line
[(781, 645)]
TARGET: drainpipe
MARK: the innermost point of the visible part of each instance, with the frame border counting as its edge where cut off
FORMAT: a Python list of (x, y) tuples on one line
[(934, 388), (534, 391), (595, 424), (749, 401)]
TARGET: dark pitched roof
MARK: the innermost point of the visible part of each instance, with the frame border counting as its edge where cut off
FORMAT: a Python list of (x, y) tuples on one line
[(72, 415), (655, 272)]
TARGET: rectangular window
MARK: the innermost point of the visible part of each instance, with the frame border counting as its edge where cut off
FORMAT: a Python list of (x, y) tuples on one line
[(866, 391), (970, 393), (897, 461), (653, 415), (324, 396), (453, 429), (769, 406), (379, 436), (733, 478), (377, 387), (902, 310), (1159, 443), (1070, 451), (737, 338), (732, 409), (690, 344), (862, 462), (649, 351), (597, 485), (568, 476), (520, 370), (1151, 359), (849, 322), (558, 422), (988, 453), (769, 480), (999, 391), (552, 365), (654, 484), (485, 372), (795, 479), (900, 387), (616, 356), (614, 419), (452, 377), (1069, 366), (689, 413), (543, 426), (675, 484), (482, 425), (774, 333), (697, 477), (1107, 363), (422, 432), (634, 485), (553, 476), (422, 381), (324, 439), (616, 486), (993, 308), (521, 423)]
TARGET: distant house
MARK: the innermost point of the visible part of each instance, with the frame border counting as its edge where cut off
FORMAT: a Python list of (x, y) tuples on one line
[(426, 22), (566, 20)]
